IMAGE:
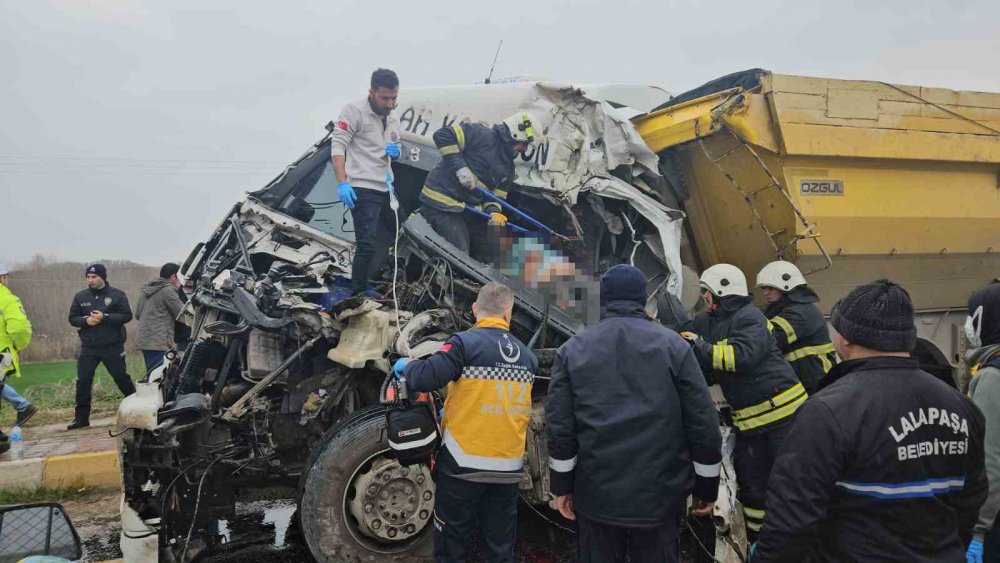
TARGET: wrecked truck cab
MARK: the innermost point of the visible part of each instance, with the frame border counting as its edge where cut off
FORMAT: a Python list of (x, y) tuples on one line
[(277, 395)]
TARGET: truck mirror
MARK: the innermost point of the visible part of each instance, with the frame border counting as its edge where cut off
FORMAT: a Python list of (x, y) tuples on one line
[(37, 529)]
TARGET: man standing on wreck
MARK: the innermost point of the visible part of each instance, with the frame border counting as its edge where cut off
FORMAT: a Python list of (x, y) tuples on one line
[(365, 138)]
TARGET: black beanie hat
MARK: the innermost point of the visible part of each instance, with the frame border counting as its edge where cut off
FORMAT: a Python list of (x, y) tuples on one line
[(623, 283), (168, 270), (99, 270), (989, 299), (877, 315)]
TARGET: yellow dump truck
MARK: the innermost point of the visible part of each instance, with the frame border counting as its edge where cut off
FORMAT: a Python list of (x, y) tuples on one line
[(851, 180)]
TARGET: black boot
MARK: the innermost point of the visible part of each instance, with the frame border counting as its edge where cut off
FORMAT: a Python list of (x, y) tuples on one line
[(4, 443), (78, 423), (25, 415)]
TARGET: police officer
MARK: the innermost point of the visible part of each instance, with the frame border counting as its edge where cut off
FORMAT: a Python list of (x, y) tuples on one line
[(885, 461), (628, 440), (100, 312), (473, 156), (489, 374), (365, 137), (735, 348), (796, 323)]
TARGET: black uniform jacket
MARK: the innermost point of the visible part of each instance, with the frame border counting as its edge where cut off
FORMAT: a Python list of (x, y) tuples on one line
[(884, 463), (485, 152), (800, 331), (737, 351), (113, 303)]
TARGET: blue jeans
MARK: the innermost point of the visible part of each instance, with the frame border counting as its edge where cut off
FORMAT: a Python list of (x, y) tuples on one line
[(153, 359), (10, 395)]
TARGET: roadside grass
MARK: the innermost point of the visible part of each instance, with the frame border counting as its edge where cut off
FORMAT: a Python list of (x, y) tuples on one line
[(50, 494), (51, 387)]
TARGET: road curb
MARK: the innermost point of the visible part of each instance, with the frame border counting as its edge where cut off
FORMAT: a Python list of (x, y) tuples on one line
[(87, 469)]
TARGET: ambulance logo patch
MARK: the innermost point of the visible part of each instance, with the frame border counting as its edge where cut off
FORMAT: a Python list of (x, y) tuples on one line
[(342, 125)]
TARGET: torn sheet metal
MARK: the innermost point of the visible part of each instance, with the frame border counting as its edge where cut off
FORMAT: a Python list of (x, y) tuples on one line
[(668, 222), (584, 136)]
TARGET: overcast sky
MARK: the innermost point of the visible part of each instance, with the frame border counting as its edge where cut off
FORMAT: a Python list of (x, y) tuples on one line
[(129, 127)]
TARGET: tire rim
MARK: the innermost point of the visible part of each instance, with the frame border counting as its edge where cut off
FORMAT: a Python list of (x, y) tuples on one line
[(387, 507)]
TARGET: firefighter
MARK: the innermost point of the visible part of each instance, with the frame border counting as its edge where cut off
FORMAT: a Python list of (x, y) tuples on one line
[(645, 432), (735, 348), (885, 461), (489, 374), (474, 156), (796, 323)]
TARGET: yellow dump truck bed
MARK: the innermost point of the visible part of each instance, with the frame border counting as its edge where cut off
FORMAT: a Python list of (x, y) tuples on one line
[(853, 179)]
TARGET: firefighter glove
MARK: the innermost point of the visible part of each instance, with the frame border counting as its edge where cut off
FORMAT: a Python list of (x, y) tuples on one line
[(466, 178), (498, 219)]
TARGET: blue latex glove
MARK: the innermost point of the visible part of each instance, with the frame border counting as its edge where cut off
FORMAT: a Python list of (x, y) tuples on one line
[(346, 193), (392, 149), (399, 366), (753, 549), (975, 552)]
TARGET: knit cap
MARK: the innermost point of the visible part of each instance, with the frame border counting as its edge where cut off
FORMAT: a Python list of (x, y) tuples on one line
[(623, 283), (99, 270), (877, 315)]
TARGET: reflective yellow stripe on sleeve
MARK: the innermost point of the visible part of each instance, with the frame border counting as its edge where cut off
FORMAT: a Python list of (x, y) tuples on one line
[(717, 355), (444, 199), (730, 358), (780, 406), (822, 349), (787, 328), (459, 135), (448, 150)]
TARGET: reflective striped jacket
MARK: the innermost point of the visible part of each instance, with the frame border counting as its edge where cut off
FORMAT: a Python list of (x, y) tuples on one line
[(800, 331), (883, 463), (737, 351), (489, 374), (485, 152)]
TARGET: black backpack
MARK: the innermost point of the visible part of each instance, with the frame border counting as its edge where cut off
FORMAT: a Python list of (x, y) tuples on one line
[(411, 425)]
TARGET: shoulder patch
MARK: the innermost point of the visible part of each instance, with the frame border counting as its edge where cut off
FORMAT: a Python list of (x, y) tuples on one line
[(446, 348), (342, 125)]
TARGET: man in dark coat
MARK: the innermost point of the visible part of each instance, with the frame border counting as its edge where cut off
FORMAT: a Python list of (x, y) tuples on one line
[(885, 461), (632, 430)]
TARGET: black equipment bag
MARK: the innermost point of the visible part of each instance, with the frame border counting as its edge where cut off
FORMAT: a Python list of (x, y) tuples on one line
[(411, 425)]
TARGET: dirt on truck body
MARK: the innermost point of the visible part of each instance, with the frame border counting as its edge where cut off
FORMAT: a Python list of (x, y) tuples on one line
[(277, 395)]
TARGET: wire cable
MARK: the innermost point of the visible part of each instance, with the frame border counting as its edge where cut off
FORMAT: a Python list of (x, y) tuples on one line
[(197, 504)]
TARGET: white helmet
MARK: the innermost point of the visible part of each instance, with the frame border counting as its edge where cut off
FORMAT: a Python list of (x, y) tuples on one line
[(724, 280), (780, 275), (523, 127)]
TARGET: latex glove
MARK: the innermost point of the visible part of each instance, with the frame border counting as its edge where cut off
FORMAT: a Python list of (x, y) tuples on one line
[(392, 149), (753, 549), (466, 178), (498, 219), (690, 336), (975, 552), (399, 366), (346, 193)]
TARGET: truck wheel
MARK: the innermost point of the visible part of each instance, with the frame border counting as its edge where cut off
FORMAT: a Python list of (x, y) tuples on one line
[(357, 504)]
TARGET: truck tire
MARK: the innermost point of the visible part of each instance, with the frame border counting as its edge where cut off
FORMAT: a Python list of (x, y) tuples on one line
[(357, 505)]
